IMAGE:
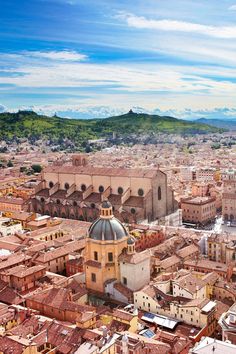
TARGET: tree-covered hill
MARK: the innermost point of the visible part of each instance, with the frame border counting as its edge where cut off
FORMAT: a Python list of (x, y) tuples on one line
[(28, 124)]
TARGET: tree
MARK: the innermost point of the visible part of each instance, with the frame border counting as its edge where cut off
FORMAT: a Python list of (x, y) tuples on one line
[(23, 169), (9, 164), (36, 168), (88, 149)]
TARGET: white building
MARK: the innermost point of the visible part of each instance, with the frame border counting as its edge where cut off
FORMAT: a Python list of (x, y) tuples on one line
[(9, 227), (211, 345), (134, 267)]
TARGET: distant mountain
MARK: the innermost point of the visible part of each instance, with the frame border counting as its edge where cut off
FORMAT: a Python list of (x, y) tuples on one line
[(28, 124), (219, 123)]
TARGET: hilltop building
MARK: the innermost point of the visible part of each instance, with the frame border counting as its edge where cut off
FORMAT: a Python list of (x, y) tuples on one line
[(76, 192)]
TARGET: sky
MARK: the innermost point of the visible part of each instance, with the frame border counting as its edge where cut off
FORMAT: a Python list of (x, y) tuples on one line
[(97, 58)]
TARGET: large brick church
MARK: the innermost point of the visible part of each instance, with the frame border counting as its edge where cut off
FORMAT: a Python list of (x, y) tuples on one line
[(76, 191)]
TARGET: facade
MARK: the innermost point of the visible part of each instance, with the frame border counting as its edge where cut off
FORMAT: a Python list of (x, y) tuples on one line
[(198, 210), (229, 195), (206, 174), (76, 192), (12, 204), (221, 248)]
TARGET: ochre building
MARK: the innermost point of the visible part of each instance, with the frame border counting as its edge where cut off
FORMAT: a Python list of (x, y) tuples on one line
[(112, 266)]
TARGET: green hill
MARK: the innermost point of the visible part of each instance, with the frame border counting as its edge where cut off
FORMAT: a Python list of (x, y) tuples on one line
[(27, 124)]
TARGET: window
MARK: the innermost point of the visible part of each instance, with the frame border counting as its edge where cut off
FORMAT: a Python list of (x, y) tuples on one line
[(110, 256), (42, 199), (67, 186), (133, 211), (74, 203), (92, 205), (83, 187), (58, 201), (93, 277), (51, 184), (120, 190), (95, 256), (124, 280), (140, 192), (101, 189), (159, 193)]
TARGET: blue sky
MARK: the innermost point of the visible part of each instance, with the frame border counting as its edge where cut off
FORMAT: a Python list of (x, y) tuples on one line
[(98, 58)]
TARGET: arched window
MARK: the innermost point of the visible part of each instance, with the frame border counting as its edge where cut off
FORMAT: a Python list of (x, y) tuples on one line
[(83, 187), (140, 192), (120, 190), (92, 205), (67, 186), (159, 193), (42, 200), (101, 189), (51, 184), (58, 201), (75, 203)]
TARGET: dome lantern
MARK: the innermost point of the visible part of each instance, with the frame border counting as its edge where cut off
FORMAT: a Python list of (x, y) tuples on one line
[(106, 211)]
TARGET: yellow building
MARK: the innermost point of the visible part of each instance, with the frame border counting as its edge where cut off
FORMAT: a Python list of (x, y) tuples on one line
[(107, 238)]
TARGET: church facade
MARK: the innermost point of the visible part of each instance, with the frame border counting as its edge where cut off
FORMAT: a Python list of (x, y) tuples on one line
[(76, 191)]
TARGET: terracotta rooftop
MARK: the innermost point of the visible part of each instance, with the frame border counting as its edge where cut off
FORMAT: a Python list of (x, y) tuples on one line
[(103, 171), (123, 315), (18, 201), (135, 258), (12, 260), (64, 250), (22, 271), (207, 264), (188, 250)]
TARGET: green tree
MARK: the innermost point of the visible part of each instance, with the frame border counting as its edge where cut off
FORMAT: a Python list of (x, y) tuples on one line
[(36, 168), (9, 164)]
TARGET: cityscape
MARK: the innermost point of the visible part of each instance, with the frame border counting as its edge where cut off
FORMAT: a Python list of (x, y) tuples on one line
[(117, 177)]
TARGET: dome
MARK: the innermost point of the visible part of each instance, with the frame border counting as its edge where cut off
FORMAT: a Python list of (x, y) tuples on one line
[(107, 230)]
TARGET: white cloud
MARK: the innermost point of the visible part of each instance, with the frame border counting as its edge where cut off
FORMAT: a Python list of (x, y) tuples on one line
[(86, 110), (64, 55), (232, 8), (119, 78), (2, 108), (140, 22)]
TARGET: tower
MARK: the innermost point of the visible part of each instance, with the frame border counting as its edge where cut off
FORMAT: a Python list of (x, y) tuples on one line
[(106, 240), (130, 246)]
